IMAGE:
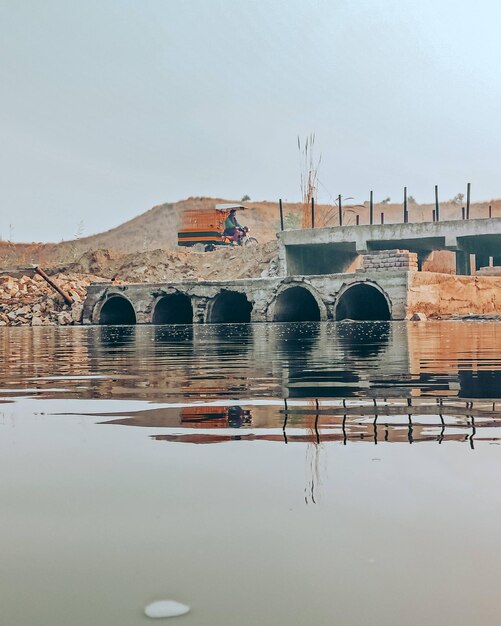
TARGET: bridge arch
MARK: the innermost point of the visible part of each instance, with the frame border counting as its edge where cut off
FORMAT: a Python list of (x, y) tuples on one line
[(297, 303), (173, 308), (362, 301), (229, 307), (116, 310)]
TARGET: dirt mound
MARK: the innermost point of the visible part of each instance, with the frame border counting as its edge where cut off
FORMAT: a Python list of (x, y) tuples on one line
[(175, 265), (94, 262)]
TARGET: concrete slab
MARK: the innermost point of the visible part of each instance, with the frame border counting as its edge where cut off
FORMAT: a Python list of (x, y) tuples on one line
[(328, 250)]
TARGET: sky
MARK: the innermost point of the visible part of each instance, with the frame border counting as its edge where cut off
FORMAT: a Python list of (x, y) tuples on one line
[(109, 107)]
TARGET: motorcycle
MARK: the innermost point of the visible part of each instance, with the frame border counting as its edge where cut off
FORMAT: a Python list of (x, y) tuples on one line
[(244, 239)]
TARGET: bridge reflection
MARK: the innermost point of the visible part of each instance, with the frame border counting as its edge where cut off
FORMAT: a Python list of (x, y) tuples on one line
[(186, 364), (382, 421)]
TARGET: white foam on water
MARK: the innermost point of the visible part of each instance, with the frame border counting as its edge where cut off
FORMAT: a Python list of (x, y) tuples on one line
[(166, 608)]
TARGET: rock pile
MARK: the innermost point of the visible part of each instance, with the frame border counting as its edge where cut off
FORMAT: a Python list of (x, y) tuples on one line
[(30, 301)]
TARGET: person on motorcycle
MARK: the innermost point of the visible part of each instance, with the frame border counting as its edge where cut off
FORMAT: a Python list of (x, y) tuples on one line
[(232, 228)]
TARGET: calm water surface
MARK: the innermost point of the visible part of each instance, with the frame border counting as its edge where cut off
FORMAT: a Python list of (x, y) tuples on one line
[(289, 474)]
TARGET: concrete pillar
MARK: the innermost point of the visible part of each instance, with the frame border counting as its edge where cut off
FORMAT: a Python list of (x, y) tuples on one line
[(423, 255), (259, 307), (199, 305), (481, 260), (463, 265), (142, 317)]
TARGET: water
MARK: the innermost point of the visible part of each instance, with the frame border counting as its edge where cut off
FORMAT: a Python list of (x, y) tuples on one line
[(262, 474)]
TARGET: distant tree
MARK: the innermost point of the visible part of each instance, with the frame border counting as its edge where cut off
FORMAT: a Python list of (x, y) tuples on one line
[(386, 201), (458, 199), (411, 200), (292, 221), (245, 198)]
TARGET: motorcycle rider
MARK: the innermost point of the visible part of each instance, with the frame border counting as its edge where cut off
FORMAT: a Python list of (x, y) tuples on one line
[(232, 228)]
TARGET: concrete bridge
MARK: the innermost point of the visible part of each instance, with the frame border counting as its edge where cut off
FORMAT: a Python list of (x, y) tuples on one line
[(325, 274), (331, 250), (294, 298)]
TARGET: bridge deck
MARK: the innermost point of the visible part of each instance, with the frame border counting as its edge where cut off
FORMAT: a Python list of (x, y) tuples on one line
[(327, 250), (479, 235)]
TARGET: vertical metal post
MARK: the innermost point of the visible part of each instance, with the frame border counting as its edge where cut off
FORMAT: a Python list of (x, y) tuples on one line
[(437, 207), (357, 220), (382, 218), (433, 215), (281, 214), (490, 210), (340, 210), (406, 217), (468, 194), (462, 213), (371, 209), (313, 212)]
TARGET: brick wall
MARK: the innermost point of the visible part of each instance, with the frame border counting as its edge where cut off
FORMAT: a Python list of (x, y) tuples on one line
[(385, 260)]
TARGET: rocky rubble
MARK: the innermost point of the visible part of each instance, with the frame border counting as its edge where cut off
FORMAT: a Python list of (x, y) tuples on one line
[(30, 301)]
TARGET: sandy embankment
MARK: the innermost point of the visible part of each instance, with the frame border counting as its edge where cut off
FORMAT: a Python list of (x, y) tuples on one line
[(449, 296)]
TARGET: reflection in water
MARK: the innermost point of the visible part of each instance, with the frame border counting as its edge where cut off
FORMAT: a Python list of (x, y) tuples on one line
[(116, 337), (363, 340), (227, 339), (292, 360), (290, 404), (173, 333), (383, 422), (215, 417), (479, 384)]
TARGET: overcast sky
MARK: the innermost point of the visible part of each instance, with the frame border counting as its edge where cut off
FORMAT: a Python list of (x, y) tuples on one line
[(109, 107)]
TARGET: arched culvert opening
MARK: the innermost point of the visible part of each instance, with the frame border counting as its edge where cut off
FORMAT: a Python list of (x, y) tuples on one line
[(296, 304), (173, 309), (229, 307), (117, 310), (362, 302)]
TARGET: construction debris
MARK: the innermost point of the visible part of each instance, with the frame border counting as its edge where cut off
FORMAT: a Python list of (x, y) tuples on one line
[(54, 286), (30, 301)]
